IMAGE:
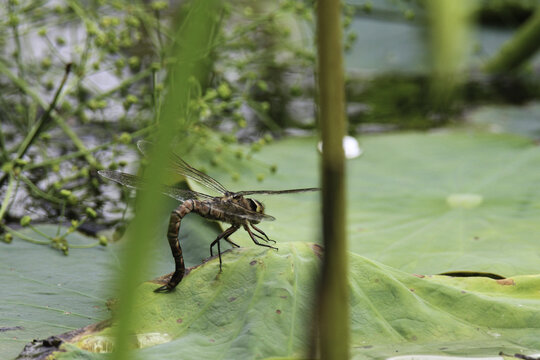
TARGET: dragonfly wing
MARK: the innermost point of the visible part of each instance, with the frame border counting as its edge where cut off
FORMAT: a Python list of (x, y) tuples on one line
[(128, 180), (275, 192), (181, 167), (135, 182)]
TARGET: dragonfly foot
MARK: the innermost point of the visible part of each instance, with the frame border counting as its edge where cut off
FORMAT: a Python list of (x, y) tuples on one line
[(164, 289)]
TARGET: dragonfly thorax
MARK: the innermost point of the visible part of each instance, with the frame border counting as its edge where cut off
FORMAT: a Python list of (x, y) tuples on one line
[(251, 204)]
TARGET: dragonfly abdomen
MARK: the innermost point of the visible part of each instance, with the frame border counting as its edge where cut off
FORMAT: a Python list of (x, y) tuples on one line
[(172, 236)]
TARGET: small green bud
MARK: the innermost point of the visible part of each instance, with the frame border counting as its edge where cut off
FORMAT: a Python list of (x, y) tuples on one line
[(248, 11), (260, 177), (242, 123), (102, 104), (49, 85), (224, 90), (103, 240), (59, 9), (8, 238), (368, 7), (124, 138), (263, 85), (92, 104), (45, 136), (295, 90), (134, 62), (159, 5), (409, 15), (255, 147), (55, 168), (273, 168), (90, 212), (130, 100), (85, 173), (13, 20), (65, 193), (72, 199), (215, 161), (109, 21), (91, 29), (132, 21), (25, 220), (211, 94), (75, 223), (120, 63), (7, 167)]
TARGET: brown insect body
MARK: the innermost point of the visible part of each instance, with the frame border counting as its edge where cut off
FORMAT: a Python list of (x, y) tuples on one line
[(213, 209), (232, 208)]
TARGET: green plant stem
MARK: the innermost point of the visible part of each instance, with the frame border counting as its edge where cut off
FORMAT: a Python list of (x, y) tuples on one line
[(24, 237), (71, 246), (521, 47), (40, 124), (7, 197), (18, 47), (188, 43), (333, 296), (63, 158), (449, 25), (44, 119), (39, 232), (38, 191), (77, 142)]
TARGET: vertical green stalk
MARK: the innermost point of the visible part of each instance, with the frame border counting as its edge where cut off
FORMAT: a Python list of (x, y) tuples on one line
[(333, 299), (449, 33), (188, 57)]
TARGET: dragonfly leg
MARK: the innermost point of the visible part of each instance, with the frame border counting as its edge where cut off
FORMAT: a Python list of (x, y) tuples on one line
[(231, 242), (174, 243), (251, 235), (259, 237), (262, 232), (225, 235)]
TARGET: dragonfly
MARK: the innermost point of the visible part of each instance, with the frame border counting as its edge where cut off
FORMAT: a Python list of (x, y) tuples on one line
[(230, 207)]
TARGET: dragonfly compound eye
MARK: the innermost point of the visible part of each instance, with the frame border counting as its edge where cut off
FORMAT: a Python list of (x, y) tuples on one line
[(256, 206)]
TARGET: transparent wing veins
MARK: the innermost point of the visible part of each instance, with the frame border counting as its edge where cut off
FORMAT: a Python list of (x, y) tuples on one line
[(181, 167), (135, 182), (275, 192)]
